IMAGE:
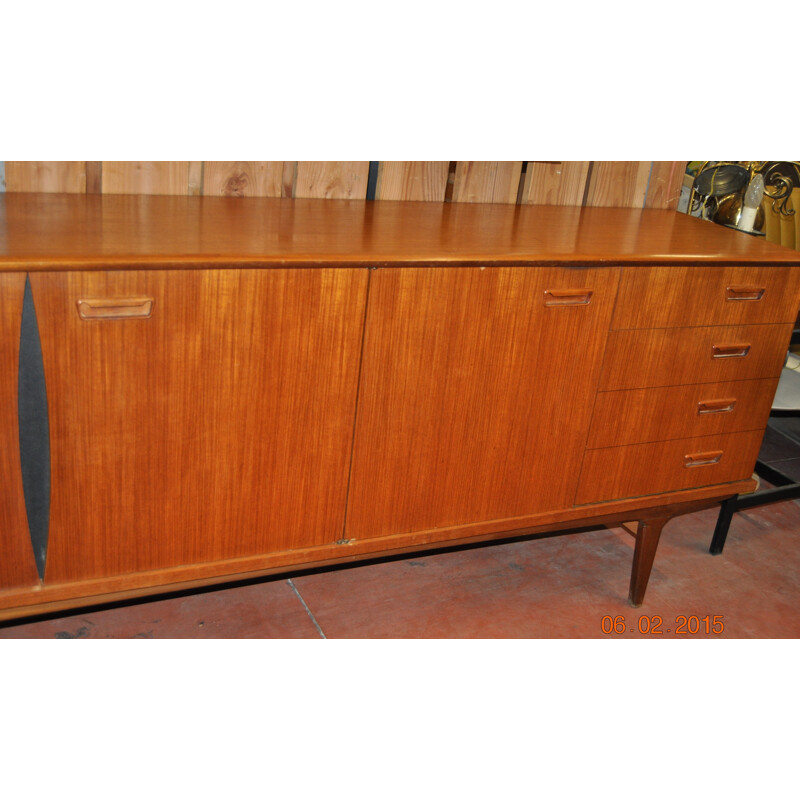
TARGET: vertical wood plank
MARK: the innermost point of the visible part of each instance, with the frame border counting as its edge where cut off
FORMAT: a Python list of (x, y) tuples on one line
[(621, 184), (243, 178), (412, 180), (664, 188), (288, 178), (195, 187), (332, 180), (46, 176), (94, 177), (17, 565), (487, 181), (145, 177), (555, 183)]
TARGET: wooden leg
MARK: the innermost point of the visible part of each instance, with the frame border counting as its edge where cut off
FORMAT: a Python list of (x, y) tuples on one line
[(645, 551)]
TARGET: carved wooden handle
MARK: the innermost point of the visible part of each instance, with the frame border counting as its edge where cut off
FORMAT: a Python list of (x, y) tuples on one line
[(107, 308), (744, 293), (729, 350), (716, 406), (567, 297), (702, 459)]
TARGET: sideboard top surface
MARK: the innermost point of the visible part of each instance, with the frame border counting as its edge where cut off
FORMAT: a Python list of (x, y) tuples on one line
[(61, 231)]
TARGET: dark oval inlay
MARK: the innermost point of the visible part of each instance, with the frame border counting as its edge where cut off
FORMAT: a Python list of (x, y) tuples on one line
[(34, 431)]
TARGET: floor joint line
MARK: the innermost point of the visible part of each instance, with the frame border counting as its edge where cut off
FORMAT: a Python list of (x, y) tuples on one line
[(308, 610)]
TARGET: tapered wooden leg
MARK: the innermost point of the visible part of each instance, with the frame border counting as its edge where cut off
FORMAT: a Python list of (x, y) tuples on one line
[(645, 551)]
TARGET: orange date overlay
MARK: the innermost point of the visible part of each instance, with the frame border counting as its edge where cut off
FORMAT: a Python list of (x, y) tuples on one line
[(656, 626)]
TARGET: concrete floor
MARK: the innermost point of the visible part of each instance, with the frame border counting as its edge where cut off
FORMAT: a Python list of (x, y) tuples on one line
[(552, 587)]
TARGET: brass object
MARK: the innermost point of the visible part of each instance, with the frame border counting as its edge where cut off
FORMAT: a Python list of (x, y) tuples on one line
[(718, 189), (729, 210)]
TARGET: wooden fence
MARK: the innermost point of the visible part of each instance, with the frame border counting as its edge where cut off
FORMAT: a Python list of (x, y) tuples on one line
[(632, 184)]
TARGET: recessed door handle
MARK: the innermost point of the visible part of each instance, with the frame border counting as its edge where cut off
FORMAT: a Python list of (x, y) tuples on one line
[(716, 406), (115, 308), (702, 459), (729, 350), (744, 292), (567, 297)]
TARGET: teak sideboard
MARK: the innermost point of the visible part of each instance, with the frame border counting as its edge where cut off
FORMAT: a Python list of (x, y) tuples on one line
[(196, 389)]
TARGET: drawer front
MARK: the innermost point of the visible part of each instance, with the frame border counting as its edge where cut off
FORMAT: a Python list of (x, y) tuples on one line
[(637, 359), (671, 297), (632, 416), (612, 473)]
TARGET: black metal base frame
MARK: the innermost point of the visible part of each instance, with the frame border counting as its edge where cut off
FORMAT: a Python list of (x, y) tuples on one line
[(785, 489)]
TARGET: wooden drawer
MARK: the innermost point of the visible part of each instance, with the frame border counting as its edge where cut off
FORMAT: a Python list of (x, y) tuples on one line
[(610, 473), (632, 416), (636, 359), (671, 297)]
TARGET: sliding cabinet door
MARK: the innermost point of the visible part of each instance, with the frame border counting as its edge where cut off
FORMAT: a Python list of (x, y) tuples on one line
[(476, 394), (196, 415)]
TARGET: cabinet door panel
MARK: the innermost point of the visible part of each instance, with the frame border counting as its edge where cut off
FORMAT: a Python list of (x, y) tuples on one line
[(467, 376), (17, 565), (213, 422)]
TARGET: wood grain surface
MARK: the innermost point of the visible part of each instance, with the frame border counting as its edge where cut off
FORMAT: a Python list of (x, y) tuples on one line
[(637, 359), (214, 435), (94, 177), (56, 597), (243, 178), (622, 184), (552, 183), (332, 180), (195, 179), (146, 177), (555, 183), (412, 180), (50, 232), (17, 565), (646, 469), (45, 176), (219, 427), (462, 370), (683, 296), (672, 412), (664, 187), (486, 181)]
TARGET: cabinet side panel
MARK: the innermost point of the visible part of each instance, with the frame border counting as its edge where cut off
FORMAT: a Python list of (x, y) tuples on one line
[(218, 426), (475, 396), (17, 565)]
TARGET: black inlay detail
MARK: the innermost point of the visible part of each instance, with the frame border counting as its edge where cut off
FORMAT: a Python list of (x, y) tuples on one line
[(372, 180), (34, 431)]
